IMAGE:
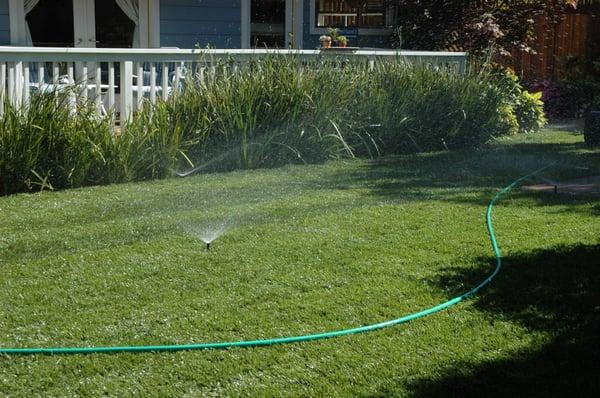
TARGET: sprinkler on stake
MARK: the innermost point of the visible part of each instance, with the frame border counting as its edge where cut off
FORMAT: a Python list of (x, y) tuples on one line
[(207, 246)]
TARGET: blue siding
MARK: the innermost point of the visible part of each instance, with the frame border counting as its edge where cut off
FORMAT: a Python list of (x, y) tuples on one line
[(312, 41), (188, 23), (4, 23), (217, 23)]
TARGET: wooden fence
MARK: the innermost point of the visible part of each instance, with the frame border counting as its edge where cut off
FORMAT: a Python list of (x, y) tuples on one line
[(574, 39)]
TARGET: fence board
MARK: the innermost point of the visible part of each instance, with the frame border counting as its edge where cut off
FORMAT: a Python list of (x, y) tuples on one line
[(573, 36)]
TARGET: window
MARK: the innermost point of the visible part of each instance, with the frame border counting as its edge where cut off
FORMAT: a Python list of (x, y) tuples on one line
[(267, 23), (51, 23), (351, 13), (113, 27)]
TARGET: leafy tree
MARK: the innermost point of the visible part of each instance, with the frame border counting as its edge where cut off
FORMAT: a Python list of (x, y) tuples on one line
[(471, 25)]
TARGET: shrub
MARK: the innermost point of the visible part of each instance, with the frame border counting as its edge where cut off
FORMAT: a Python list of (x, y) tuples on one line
[(48, 146), (529, 112), (423, 109), (272, 112), (569, 98), (528, 107), (507, 121)]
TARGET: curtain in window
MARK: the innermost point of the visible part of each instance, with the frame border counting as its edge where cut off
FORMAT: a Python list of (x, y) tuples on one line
[(131, 8), (29, 5)]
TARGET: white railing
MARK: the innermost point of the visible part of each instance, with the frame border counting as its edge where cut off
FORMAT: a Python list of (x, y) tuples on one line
[(152, 73)]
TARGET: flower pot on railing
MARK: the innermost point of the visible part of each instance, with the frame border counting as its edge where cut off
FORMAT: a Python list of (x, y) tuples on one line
[(325, 41), (342, 41)]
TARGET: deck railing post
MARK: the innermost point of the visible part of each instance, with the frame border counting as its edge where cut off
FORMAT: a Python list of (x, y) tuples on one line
[(126, 91)]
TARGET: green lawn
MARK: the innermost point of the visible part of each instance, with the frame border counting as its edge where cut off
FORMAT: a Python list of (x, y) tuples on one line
[(311, 249)]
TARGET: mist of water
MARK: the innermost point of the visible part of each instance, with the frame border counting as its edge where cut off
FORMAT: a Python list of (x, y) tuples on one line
[(225, 156), (208, 231)]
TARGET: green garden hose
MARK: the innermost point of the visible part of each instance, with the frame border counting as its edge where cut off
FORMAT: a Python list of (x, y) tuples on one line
[(295, 339)]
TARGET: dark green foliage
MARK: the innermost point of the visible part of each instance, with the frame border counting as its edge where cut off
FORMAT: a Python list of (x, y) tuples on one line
[(522, 111), (592, 129), (473, 26), (571, 97), (282, 112), (272, 112), (49, 146)]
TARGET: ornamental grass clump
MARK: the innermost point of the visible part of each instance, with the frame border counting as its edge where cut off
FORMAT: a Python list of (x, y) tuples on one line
[(59, 141), (48, 145), (280, 110), (419, 109), (269, 113), (265, 113)]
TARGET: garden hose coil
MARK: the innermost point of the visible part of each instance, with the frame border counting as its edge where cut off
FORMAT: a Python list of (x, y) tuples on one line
[(301, 338)]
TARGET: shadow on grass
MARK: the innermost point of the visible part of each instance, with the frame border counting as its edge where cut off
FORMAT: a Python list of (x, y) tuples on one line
[(468, 176), (556, 291), (471, 176)]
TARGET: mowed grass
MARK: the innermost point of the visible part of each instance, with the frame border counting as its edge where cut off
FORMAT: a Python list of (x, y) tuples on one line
[(311, 249)]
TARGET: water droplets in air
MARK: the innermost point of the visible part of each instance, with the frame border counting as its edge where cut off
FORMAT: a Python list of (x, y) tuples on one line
[(209, 231)]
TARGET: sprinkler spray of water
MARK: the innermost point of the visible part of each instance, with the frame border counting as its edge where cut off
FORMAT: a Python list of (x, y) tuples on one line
[(216, 160), (209, 233)]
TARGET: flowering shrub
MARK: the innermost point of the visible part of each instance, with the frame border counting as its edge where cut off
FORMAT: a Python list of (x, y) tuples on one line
[(568, 98)]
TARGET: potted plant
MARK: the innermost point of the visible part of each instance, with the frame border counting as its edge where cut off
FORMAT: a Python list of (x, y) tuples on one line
[(325, 41), (333, 33), (342, 41)]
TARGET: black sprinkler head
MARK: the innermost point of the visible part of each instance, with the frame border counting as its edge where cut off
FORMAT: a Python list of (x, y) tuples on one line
[(208, 246)]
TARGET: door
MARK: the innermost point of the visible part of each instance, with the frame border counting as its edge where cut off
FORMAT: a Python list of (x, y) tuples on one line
[(271, 24), (80, 23), (50, 23)]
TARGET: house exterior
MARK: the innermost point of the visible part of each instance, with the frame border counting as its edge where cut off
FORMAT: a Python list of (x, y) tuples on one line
[(226, 24)]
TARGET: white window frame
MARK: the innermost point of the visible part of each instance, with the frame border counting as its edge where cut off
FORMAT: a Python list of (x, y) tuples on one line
[(315, 30), (294, 18)]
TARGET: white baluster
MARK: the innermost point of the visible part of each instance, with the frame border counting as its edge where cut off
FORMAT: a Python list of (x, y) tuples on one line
[(41, 77), (84, 80), (177, 78), (98, 89), (165, 80), (72, 98), (55, 72), (111, 86), (2, 86), (25, 83), (140, 85), (153, 82)]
